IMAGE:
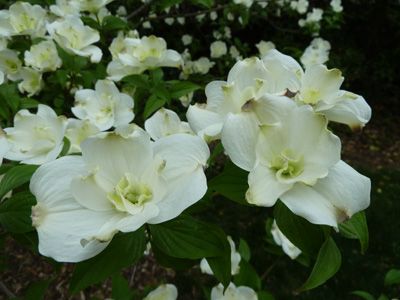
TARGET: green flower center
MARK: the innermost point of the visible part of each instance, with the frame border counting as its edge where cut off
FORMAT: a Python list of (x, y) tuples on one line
[(311, 96), (287, 166)]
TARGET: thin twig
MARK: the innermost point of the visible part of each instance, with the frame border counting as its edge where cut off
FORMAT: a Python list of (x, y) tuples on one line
[(131, 279), (6, 290), (269, 269), (139, 10)]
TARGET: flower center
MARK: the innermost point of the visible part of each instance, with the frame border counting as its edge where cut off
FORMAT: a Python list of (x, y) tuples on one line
[(311, 96), (287, 166), (129, 194)]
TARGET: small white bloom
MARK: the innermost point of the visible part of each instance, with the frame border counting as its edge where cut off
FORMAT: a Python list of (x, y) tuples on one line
[(316, 53), (78, 131), (169, 21), (10, 64), (76, 38), (336, 5), (281, 240), (181, 20), (121, 11), (43, 57), (146, 25), (163, 292), (213, 15), (28, 19), (202, 65), (36, 138), (122, 181), (234, 52), (233, 293), (165, 122), (235, 260), (105, 106), (200, 17), (218, 49), (246, 3), (301, 6), (187, 39), (32, 82), (230, 16), (264, 47)]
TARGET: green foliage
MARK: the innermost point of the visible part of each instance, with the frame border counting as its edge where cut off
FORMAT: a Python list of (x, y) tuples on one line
[(15, 212), (16, 177), (356, 228), (120, 288), (123, 251), (392, 277)]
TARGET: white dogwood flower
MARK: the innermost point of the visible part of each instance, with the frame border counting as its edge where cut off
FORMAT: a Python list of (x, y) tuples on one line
[(316, 53), (218, 49), (235, 260), (26, 18), (10, 64), (78, 131), (233, 293), (281, 240), (75, 37), (136, 55), (105, 106), (32, 81), (122, 181), (64, 8), (36, 138), (43, 57), (164, 123), (163, 292)]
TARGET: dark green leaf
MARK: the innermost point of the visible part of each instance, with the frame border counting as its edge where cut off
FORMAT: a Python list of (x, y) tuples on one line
[(16, 177), (37, 290), (15, 213), (137, 80), (244, 250), (181, 88), (186, 237), (306, 236), (247, 276), (120, 288), (363, 295), (328, 263), (168, 261), (231, 183), (123, 251), (113, 23), (205, 3), (392, 277), (153, 104), (221, 265), (356, 228), (263, 295)]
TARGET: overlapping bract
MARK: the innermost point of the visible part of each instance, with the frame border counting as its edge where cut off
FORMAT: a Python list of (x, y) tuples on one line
[(272, 119), (122, 181)]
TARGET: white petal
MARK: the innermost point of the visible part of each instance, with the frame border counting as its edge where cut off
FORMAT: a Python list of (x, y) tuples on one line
[(264, 188), (133, 222), (204, 121), (239, 137)]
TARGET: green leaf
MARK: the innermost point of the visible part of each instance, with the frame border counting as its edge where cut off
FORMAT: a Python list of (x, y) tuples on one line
[(392, 277), (113, 23), (66, 146), (247, 276), (90, 22), (186, 237), (179, 264), (356, 228), (37, 290), (15, 213), (123, 251), (306, 236), (244, 250), (16, 177), (157, 75), (383, 297), (363, 295), (181, 88), (221, 265), (29, 103), (205, 3), (137, 80), (328, 263), (153, 104), (264, 295), (231, 183), (120, 288)]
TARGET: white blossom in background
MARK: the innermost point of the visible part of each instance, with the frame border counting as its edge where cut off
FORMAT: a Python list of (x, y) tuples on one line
[(165, 122), (336, 5), (186, 39), (142, 54), (36, 138), (264, 47), (314, 16), (169, 21), (43, 57), (213, 15), (246, 3), (77, 131), (281, 240), (234, 53), (163, 292), (76, 38), (181, 20), (235, 260), (92, 6), (300, 6), (105, 106), (32, 82), (121, 11), (146, 25), (233, 293), (218, 49), (64, 8), (10, 64), (28, 19), (122, 181), (316, 53)]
